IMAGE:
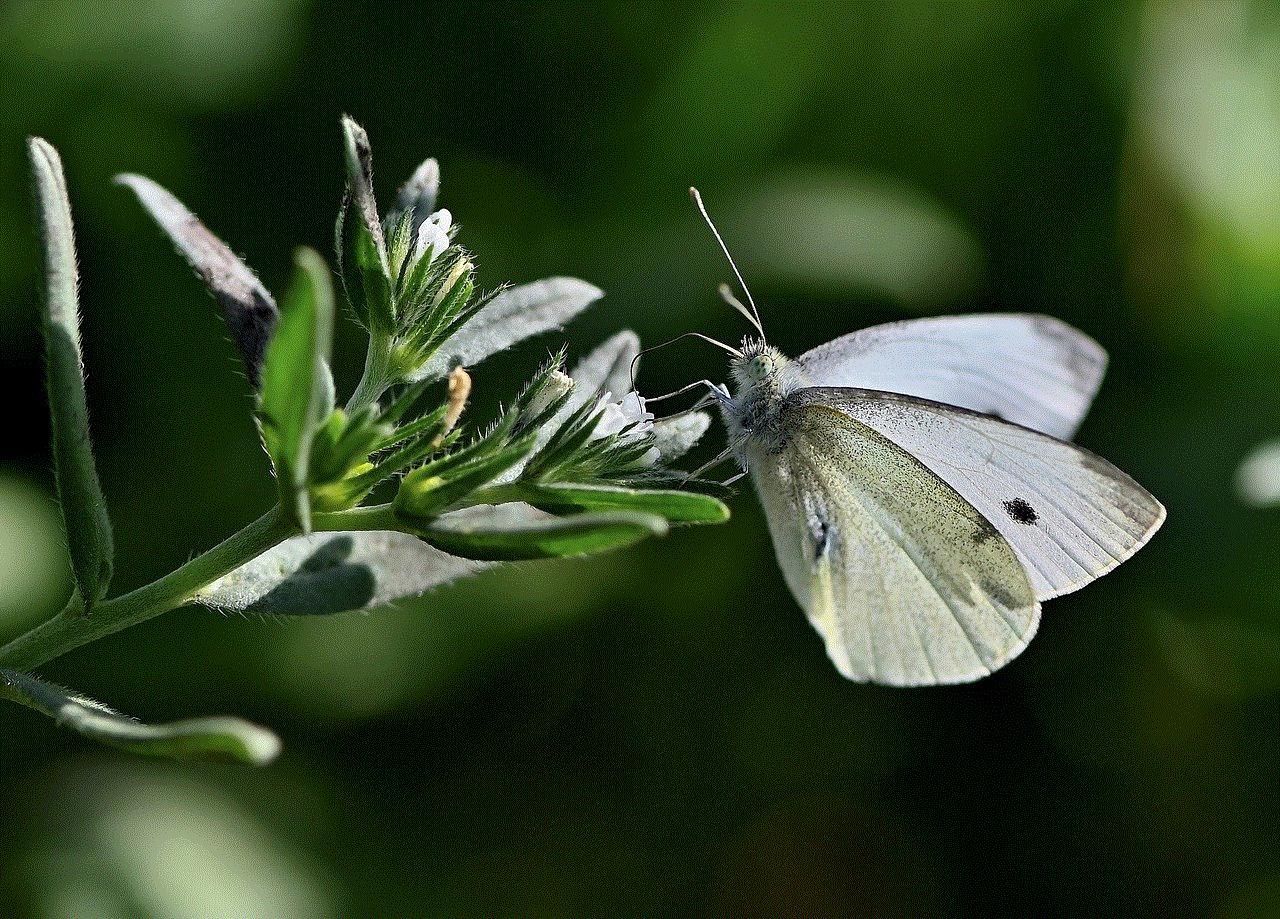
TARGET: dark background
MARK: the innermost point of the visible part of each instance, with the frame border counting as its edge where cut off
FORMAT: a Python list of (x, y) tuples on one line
[(658, 732)]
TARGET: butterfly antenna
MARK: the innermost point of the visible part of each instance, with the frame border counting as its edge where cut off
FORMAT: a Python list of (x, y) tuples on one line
[(726, 294), (754, 315), (719, 344)]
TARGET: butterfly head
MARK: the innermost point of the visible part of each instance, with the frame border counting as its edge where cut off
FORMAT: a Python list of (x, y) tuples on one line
[(761, 368), (762, 379), (754, 363)]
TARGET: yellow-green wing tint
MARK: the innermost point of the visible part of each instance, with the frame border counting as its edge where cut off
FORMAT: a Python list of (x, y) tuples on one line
[(906, 582), (1070, 515)]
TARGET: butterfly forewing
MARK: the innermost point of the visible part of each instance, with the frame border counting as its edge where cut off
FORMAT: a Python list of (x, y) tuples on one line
[(907, 582), (1028, 369), (1070, 515)]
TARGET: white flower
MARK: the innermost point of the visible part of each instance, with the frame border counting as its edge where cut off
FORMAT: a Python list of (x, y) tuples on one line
[(619, 414), (433, 236)]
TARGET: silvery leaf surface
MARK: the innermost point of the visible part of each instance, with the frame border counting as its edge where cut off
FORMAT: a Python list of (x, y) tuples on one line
[(611, 368), (513, 315), (608, 365), (249, 310), (325, 573), (417, 196), (675, 436), (608, 368)]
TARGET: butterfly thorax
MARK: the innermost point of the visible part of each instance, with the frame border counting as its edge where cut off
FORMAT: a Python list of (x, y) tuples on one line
[(762, 378)]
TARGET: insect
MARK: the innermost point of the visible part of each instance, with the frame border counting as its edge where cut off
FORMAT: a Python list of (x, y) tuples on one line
[(919, 488)]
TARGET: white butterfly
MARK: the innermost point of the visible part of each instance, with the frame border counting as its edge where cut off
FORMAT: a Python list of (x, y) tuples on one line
[(920, 495)]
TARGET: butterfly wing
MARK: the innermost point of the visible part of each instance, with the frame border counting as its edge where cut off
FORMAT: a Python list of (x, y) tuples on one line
[(1069, 515), (906, 581), (1032, 370)]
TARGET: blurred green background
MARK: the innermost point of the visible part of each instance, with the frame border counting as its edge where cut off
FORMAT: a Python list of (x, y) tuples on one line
[(658, 732)]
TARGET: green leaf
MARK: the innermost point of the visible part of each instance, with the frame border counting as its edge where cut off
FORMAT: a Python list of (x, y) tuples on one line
[(403, 401), (342, 444), (365, 277), (430, 489), (573, 433), (84, 510), (674, 506), (359, 161), (553, 537), (426, 426), (296, 397), (219, 738), (361, 245)]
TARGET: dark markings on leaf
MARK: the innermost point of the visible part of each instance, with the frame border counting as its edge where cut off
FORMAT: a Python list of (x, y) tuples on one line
[(1020, 511)]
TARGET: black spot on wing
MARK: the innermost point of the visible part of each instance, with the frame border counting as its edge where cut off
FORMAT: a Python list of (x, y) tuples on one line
[(822, 538), (821, 529), (1020, 511)]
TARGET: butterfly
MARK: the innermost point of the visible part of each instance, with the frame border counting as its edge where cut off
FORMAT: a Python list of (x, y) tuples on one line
[(920, 489)]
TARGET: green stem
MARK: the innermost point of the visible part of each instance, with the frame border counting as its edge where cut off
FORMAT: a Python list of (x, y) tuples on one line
[(377, 373), (73, 627), (493, 494), (374, 517)]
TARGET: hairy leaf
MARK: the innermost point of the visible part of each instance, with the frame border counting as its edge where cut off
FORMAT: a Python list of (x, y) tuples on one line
[(297, 391), (84, 509), (510, 317), (249, 310), (326, 573), (674, 506), (555, 537), (219, 738)]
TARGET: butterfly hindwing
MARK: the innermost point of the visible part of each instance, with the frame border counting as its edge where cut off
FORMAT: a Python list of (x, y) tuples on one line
[(1069, 515), (1028, 369), (907, 583)]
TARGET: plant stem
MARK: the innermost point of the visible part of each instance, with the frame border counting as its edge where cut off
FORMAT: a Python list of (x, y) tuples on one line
[(493, 494), (373, 517), (73, 627), (376, 377)]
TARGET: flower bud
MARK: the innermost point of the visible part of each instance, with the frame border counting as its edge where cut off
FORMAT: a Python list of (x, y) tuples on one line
[(433, 236), (558, 385)]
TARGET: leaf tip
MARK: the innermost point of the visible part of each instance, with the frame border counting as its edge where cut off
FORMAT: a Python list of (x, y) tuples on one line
[(260, 745)]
